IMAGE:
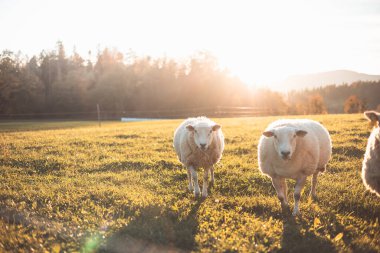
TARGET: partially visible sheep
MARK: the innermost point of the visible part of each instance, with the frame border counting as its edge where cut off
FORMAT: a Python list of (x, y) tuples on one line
[(294, 149), (371, 162), (199, 142)]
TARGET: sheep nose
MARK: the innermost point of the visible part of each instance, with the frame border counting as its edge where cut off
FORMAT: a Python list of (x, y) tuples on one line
[(285, 153), (203, 146)]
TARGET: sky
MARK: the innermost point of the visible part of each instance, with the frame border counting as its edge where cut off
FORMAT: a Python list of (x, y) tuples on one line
[(261, 42)]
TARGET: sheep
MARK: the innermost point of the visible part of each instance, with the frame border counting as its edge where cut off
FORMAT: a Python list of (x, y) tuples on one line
[(296, 149), (199, 142), (371, 162)]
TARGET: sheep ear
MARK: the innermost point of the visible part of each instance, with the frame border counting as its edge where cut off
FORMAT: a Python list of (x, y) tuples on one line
[(301, 133), (190, 128), (268, 133), (372, 116), (216, 127)]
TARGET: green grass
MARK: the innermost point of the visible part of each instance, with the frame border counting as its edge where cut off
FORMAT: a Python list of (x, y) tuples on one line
[(77, 187)]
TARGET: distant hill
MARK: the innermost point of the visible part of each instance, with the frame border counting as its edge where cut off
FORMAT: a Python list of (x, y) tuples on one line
[(325, 78)]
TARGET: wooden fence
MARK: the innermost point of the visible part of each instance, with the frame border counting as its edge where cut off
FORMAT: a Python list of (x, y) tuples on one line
[(218, 111)]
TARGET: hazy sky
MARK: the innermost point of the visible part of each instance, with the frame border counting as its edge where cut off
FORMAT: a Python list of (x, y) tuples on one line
[(260, 41)]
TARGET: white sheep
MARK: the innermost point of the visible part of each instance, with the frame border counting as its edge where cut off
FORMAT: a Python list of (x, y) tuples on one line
[(294, 148), (371, 162), (199, 142)]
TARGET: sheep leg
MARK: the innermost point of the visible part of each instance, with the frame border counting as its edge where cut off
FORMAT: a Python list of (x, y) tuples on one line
[(191, 188), (280, 185), (194, 176), (285, 189), (212, 174), (313, 193), (300, 183), (205, 181)]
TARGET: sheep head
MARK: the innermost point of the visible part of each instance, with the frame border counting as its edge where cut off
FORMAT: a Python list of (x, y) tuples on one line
[(203, 134), (374, 118), (285, 140)]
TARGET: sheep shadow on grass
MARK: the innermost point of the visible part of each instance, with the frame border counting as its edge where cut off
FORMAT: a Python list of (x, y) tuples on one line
[(156, 230), (293, 240)]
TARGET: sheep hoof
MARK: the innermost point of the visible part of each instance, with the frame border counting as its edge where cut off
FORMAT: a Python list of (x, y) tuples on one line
[(204, 194), (285, 208), (284, 204)]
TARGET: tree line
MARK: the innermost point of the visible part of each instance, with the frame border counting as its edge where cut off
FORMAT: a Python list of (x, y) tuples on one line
[(54, 82), (347, 98)]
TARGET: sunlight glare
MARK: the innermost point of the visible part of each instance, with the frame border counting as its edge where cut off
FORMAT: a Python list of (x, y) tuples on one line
[(262, 42)]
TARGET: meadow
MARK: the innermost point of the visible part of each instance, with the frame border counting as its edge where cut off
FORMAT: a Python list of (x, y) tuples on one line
[(75, 187)]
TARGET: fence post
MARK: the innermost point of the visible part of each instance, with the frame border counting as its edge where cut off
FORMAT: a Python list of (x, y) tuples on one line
[(98, 109)]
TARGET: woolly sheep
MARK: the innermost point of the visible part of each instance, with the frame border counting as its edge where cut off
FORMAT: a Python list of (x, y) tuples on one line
[(199, 142), (371, 162), (295, 149)]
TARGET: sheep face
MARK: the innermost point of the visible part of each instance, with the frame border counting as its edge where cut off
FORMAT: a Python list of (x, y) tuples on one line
[(285, 140), (374, 117), (202, 134)]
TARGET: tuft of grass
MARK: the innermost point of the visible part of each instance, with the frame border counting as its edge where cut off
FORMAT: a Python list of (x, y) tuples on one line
[(71, 186)]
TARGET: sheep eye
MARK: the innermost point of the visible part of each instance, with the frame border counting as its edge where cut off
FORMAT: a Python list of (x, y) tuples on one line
[(195, 131), (295, 136), (210, 131), (275, 136)]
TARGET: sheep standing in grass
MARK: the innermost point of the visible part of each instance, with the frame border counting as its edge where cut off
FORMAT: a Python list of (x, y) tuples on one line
[(294, 149), (199, 142), (371, 163)]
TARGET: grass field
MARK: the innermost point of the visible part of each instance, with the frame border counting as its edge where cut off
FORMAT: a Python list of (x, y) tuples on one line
[(119, 188)]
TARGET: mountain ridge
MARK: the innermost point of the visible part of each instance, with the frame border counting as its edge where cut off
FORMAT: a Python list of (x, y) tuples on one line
[(320, 79)]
